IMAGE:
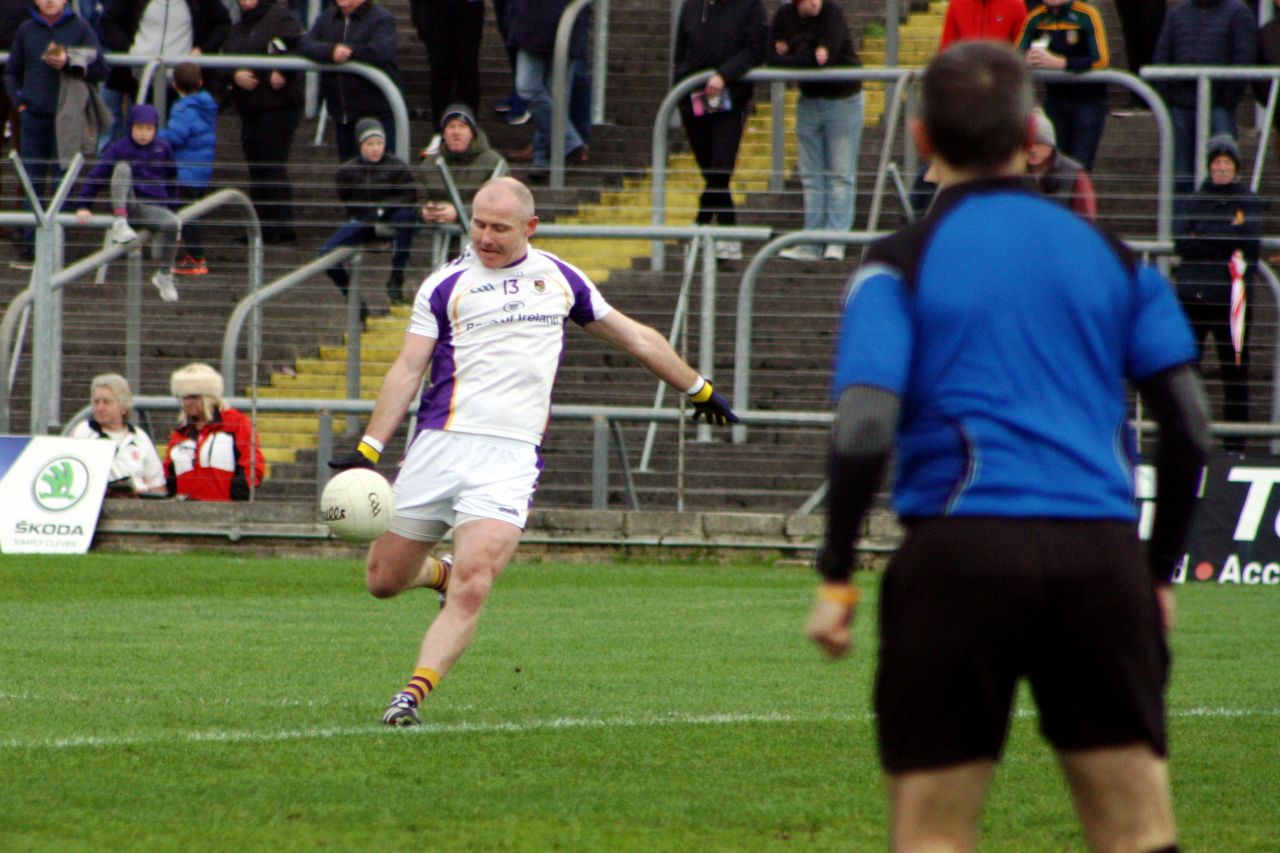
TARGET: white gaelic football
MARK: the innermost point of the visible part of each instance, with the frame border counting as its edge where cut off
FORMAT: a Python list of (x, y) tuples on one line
[(357, 505)]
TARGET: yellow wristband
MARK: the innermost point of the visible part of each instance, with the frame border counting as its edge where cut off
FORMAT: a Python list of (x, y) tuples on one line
[(839, 594), (704, 393), (368, 452)]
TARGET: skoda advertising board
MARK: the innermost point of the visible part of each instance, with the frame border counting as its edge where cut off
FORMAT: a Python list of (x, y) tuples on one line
[(51, 492)]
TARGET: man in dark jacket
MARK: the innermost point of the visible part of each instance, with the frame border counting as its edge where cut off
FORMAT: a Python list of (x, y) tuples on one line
[(531, 30), (270, 105), (1219, 222), (1203, 32), (354, 31), (44, 51), (13, 14), (381, 196)]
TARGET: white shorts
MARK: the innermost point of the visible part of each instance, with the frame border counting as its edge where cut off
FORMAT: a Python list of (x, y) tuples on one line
[(448, 477)]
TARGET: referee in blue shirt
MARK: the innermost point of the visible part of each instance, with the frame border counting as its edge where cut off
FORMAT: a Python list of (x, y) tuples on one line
[(997, 366)]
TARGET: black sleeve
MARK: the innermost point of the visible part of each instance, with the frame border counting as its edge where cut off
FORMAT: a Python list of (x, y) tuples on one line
[(1177, 402), (861, 440)]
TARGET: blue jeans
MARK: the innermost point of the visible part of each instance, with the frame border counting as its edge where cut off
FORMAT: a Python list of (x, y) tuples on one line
[(1221, 120), (533, 84), (828, 134), (355, 232), (38, 147), (1078, 126)]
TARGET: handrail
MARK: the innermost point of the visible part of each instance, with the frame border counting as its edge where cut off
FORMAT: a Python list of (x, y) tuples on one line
[(1204, 75), (103, 257), (256, 297), (377, 76), (662, 123), (746, 301), (230, 338), (560, 89)]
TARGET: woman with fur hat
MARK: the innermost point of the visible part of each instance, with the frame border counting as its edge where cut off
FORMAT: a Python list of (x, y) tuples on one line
[(214, 453), (136, 468)]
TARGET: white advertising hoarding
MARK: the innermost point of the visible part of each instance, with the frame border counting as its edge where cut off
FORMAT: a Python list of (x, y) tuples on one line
[(51, 492)]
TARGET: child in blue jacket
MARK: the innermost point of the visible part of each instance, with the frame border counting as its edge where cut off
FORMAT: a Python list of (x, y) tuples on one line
[(143, 178), (192, 133)]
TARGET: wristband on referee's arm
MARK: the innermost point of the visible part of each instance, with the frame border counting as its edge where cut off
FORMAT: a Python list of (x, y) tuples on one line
[(838, 593)]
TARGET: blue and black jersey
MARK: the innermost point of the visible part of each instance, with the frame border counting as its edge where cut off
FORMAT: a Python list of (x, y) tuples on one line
[(1010, 355)]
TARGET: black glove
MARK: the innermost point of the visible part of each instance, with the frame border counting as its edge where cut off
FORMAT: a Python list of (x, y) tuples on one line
[(707, 403), (363, 456)]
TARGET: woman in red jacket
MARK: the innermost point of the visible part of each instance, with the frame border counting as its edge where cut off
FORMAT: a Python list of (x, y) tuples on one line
[(214, 453)]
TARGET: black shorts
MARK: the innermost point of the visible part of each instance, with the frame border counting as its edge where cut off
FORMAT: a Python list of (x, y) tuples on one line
[(971, 605)]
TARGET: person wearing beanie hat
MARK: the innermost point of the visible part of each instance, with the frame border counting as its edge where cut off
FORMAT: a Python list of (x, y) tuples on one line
[(367, 128), (143, 177), (1057, 175), (213, 454), (136, 468), (1221, 220), (381, 196), (465, 160)]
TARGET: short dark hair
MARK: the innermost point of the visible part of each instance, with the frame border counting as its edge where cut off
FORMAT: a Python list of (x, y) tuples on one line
[(975, 104), (186, 77)]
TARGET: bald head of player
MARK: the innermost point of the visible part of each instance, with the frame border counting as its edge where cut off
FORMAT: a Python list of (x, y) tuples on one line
[(502, 221), (975, 116)]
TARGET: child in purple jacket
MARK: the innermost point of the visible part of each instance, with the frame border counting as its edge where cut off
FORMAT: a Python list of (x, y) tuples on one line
[(143, 178)]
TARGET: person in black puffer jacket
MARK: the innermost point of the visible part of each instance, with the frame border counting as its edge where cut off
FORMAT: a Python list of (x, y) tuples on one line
[(729, 37), (270, 107), (381, 196), (1222, 219)]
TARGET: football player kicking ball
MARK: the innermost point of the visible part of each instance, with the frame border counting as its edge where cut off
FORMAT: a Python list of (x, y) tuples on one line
[(490, 325), (1001, 367)]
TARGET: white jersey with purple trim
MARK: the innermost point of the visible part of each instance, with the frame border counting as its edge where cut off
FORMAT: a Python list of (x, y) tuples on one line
[(499, 335)]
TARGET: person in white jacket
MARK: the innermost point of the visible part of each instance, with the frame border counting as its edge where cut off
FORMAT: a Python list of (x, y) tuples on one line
[(136, 468)]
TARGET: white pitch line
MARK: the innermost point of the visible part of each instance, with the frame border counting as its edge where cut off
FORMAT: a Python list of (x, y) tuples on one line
[(553, 724)]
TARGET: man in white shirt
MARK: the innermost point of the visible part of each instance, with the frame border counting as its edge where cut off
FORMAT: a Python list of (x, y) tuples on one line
[(491, 327)]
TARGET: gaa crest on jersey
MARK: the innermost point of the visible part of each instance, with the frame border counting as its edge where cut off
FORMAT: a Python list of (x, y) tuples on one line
[(1073, 37), (539, 286)]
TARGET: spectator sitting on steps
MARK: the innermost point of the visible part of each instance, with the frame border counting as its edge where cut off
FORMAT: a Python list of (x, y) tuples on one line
[(143, 177), (471, 162), (381, 196)]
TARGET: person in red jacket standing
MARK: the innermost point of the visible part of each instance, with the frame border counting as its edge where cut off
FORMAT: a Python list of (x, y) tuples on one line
[(992, 20), (214, 453)]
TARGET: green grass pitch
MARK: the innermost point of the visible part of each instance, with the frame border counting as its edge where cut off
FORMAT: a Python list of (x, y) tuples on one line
[(203, 702)]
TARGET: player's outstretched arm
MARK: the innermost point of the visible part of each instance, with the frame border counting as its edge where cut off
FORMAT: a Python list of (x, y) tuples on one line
[(861, 439), (399, 386), (647, 346)]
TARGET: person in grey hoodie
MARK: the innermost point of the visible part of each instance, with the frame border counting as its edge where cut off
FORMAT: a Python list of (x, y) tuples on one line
[(1203, 32)]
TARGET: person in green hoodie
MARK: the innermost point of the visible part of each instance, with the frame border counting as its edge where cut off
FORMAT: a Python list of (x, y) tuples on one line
[(467, 160)]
